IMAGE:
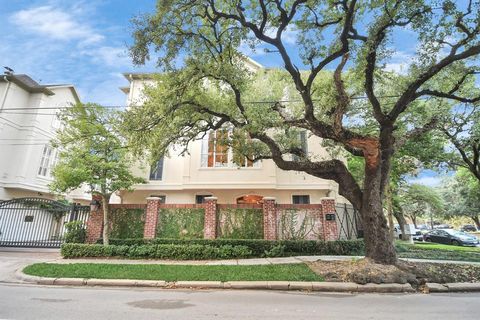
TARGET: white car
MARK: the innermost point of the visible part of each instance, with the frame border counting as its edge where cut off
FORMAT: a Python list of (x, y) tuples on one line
[(415, 233)]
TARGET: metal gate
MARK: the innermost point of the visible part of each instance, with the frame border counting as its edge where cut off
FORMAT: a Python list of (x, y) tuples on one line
[(37, 222), (349, 222)]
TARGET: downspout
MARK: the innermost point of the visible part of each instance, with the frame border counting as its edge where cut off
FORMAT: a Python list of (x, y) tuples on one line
[(5, 92)]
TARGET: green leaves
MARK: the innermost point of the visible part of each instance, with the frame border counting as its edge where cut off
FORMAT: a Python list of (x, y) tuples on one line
[(91, 152)]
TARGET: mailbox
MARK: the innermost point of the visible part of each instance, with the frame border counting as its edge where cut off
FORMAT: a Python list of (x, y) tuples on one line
[(330, 216)]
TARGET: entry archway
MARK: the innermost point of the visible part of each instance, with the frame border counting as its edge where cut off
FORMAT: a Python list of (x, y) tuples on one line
[(249, 199)]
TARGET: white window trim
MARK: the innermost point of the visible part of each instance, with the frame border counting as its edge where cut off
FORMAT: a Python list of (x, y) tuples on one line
[(230, 164)]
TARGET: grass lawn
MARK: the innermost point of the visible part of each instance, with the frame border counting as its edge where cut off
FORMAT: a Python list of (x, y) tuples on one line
[(283, 272), (436, 251), (438, 246)]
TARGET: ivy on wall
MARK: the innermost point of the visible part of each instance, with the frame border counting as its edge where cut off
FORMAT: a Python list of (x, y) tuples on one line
[(296, 224), (127, 223), (240, 223), (180, 223)]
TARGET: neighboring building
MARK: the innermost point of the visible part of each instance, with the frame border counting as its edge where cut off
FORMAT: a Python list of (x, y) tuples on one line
[(28, 122), (208, 170)]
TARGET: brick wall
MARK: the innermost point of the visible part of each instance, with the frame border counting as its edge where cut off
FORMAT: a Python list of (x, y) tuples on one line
[(210, 227), (271, 211), (330, 229), (95, 222), (151, 217), (269, 219)]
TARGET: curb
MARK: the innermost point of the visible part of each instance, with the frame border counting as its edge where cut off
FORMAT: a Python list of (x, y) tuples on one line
[(250, 285), (254, 285)]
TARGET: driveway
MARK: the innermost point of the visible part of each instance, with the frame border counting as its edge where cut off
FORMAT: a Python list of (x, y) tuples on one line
[(12, 259)]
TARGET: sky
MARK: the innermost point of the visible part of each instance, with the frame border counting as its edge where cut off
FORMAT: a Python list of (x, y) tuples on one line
[(85, 43)]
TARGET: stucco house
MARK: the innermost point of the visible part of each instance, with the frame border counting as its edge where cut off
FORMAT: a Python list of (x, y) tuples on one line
[(208, 170), (28, 122)]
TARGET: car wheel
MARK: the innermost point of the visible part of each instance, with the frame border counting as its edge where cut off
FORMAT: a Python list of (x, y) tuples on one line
[(455, 243), (428, 240)]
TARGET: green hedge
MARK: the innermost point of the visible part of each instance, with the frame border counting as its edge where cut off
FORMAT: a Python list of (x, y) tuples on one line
[(180, 223), (127, 223), (240, 223), (155, 251), (262, 248)]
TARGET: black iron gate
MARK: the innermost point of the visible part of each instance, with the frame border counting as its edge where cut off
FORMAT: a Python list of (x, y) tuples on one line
[(349, 222), (37, 222)]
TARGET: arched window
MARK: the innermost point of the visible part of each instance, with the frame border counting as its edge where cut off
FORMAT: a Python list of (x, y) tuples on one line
[(250, 199)]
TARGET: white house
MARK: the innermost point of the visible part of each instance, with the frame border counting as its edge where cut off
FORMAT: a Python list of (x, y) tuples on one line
[(208, 170), (28, 122)]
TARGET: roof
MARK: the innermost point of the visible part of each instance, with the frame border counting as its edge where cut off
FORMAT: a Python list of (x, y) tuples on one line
[(27, 83)]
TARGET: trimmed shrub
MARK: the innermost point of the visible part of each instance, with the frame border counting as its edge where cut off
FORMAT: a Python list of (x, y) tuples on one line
[(156, 251), (262, 248), (75, 232)]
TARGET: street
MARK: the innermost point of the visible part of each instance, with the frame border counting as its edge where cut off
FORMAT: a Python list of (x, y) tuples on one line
[(40, 302)]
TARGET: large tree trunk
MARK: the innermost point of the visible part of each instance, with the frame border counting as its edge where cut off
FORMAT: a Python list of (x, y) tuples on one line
[(378, 243), (105, 206), (476, 219), (390, 211), (402, 222)]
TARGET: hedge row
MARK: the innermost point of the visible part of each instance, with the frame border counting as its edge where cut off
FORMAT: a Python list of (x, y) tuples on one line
[(262, 248), (155, 251)]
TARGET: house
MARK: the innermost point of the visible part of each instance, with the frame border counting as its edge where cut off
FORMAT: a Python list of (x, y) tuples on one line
[(28, 122), (208, 170)]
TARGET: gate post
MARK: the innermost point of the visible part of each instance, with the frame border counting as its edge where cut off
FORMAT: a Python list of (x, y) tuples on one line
[(95, 222), (210, 223), (151, 217), (330, 227), (269, 218)]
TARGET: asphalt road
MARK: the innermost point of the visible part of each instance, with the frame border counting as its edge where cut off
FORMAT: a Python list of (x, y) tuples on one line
[(40, 302)]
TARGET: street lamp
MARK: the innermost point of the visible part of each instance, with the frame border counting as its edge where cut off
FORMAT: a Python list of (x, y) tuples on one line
[(95, 205)]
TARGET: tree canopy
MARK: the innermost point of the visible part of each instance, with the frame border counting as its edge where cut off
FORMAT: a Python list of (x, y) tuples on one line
[(92, 153), (332, 84)]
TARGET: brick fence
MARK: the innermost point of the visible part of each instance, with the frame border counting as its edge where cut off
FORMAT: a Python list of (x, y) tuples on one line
[(325, 213)]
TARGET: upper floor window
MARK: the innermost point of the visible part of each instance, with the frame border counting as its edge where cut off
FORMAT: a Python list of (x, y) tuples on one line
[(217, 154), (48, 161), (301, 199), (156, 171)]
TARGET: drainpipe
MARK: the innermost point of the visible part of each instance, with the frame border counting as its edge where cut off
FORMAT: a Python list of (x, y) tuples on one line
[(5, 93)]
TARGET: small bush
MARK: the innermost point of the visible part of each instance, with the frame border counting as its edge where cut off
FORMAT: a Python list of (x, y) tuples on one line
[(75, 232), (156, 251)]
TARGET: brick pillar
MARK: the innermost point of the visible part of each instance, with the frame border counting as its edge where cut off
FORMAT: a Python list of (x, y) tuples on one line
[(151, 217), (330, 228), (210, 226), (95, 222), (269, 218)]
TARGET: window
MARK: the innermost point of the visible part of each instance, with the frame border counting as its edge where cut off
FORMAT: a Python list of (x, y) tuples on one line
[(163, 199), (156, 171), (47, 162), (200, 198), (216, 153), (302, 199), (302, 136)]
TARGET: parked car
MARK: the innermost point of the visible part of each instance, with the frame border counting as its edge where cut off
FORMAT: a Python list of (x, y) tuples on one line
[(409, 229), (468, 228), (441, 226), (450, 236)]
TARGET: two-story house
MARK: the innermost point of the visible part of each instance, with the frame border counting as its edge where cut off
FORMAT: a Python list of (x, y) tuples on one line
[(209, 170), (28, 122)]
